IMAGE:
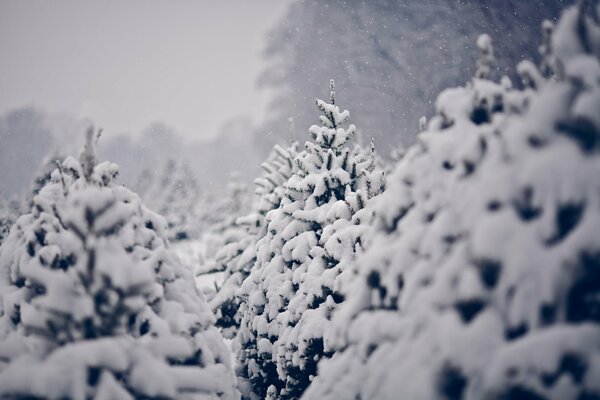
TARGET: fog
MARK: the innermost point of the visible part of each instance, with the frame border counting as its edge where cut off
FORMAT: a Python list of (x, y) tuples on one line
[(215, 85), (125, 65)]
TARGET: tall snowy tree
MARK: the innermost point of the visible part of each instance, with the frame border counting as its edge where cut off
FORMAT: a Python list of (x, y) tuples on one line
[(94, 304), (236, 259), (482, 280), (303, 261)]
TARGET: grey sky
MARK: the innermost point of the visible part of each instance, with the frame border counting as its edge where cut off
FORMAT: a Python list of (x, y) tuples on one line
[(125, 64)]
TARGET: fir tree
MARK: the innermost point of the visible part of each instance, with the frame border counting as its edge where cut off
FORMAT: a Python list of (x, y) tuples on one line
[(303, 260), (236, 259), (223, 209), (174, 195), (220, 212), (94, 305), (482, 278)]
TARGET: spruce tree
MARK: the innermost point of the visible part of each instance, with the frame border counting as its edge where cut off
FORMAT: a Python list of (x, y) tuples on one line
[(237, 258), (95, 305), (303, 260), (174, 195), (482, 279), (220, 211)]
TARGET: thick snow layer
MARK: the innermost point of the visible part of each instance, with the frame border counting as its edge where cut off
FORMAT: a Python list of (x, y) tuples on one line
[(238, 255), (304, 259), (95, 305), (481, 280)]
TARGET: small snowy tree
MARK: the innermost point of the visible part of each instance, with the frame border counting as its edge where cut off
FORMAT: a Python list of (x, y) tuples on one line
[(223, 208), (236, 259), (303, 261), (220, 211), (482, 280), (174, 195), (94, 305)]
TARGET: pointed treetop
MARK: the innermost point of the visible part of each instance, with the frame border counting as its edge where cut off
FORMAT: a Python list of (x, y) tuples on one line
[(547, 65), (88, 158), (486, 56), (292, 129), (330, 134), (332, 91), (422, 123)]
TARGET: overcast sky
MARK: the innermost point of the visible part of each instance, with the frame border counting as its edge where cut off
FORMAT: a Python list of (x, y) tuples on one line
[(126, 64)]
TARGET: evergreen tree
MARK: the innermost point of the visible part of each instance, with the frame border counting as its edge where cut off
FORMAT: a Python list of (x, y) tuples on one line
[(302, 262), (174, 195), (220, 212), (482, 279), (223, 209), (216, 214), (94, 305), (236, 259)]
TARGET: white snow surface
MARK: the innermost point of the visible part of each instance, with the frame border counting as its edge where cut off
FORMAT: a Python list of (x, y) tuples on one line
[(94, 304), (238, 256), (304, 260), (481, 277)]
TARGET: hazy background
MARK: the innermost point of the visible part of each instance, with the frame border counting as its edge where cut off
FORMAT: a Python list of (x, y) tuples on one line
[(125, 64), (213, 84)]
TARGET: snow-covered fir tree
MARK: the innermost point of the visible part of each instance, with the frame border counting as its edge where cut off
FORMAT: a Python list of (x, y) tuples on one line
[(482, 280), (95, 305), (216, 214), (304, 260), (219, 213), (222, 208), (174, 194), (236, 259)]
